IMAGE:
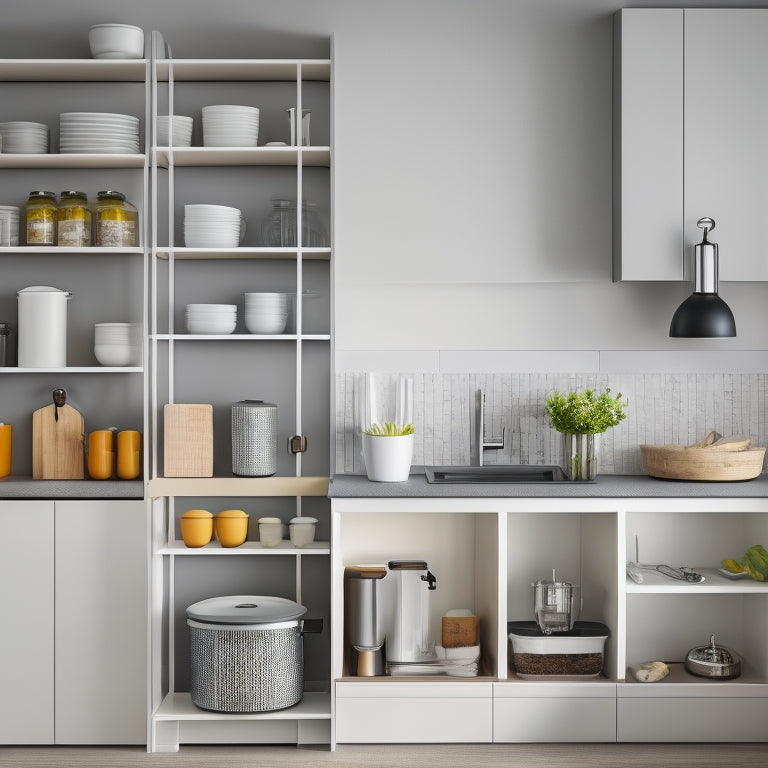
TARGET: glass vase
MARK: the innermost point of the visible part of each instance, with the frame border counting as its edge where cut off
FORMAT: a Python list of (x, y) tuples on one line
[(579, 457)]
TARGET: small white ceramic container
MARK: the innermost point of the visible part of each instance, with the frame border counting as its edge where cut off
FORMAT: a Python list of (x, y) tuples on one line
[(116, 41), (387, 458), (302, 530), (270, 531)]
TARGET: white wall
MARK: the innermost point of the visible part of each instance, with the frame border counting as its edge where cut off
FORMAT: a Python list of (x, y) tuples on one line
[(474, 135)]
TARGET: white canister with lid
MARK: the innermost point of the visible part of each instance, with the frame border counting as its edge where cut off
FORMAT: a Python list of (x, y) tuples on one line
[(42, 333), (302, 530)]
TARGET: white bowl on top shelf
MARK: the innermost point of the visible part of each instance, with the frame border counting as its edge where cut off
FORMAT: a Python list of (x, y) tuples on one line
[(116, 41)]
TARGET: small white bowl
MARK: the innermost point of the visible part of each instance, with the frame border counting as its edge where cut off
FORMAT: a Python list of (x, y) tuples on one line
[(116, 41), (116, 355), (265, 323)]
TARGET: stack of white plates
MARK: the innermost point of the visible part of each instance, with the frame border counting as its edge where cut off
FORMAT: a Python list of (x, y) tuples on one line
[(266, 312), (22, 138), (117, 344), (98, 132), (9, 225), (182, 130), (212, 226), (229, 125), (211, 318)]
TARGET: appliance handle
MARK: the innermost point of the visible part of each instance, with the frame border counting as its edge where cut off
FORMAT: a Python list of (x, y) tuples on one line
[(431, 580), (311, 626)]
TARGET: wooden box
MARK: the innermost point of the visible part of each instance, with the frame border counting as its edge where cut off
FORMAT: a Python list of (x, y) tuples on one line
[(188, 440)]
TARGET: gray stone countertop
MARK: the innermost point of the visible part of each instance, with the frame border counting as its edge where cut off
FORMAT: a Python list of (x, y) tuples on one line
[(606, 486), (20, 487)]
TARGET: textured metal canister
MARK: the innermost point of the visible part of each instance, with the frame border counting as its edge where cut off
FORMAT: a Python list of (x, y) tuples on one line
[(254, 438)]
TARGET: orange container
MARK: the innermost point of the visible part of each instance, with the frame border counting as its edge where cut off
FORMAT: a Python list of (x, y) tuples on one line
[(5, 450), (231, 527), (196, 527), (101, 454), (128, 454)]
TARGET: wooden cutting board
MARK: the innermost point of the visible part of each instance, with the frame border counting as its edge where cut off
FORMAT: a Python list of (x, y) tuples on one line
[(57, 443)]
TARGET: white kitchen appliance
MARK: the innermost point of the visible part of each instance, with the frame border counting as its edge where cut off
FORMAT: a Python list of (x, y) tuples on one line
[(42, 327), (363, 620), (409, 585)]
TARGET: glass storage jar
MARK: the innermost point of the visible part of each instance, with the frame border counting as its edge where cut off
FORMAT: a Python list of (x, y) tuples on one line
[(279, 229), (41, 211), (117, 221), (74, 220)]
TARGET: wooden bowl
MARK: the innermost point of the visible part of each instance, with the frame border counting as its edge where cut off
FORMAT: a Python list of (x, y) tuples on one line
[(679, 462)]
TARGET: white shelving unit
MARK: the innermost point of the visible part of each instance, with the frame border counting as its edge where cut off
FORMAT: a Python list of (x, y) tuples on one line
[(285, 369), (487, 551)]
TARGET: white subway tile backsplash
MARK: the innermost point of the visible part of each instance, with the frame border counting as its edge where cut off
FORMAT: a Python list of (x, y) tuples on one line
[(672, 408)]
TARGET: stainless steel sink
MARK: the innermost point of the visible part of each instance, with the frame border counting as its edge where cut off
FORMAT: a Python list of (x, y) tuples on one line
[(498, 473)]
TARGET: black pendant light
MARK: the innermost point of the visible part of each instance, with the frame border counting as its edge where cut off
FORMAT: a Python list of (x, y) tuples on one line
[(703, 314)]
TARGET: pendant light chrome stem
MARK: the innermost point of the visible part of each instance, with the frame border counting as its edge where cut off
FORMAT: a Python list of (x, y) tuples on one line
[(705, 261)]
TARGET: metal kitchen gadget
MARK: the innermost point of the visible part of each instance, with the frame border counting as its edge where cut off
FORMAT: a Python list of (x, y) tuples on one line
[(556, 605), (715, 661), (683, 573)]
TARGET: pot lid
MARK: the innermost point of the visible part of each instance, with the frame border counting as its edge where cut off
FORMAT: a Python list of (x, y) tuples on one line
[(245, 609), (232, 513), (42, 289), (713, 654), (196, 514), (253, 404)]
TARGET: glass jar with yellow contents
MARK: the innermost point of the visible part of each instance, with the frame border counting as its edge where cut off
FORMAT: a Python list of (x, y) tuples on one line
[(117, 221), (41, 211), (74, 220)]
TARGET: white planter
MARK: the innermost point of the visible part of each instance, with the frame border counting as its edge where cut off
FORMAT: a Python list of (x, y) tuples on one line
[(387, 458)]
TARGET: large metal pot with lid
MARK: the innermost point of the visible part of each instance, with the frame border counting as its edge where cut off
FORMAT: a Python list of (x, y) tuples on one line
[(246, 652), (713, 661)]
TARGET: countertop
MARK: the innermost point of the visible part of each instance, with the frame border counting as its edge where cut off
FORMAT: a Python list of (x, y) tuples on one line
[(606, 486), (21, 487)]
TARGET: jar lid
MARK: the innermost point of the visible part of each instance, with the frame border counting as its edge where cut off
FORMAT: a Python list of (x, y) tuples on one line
[(196, 514), (270, 520), (72, 193), (302, 520), (245, 609), (232, 513), (109, 194), (41, 289), (253, 404), (42, 193)]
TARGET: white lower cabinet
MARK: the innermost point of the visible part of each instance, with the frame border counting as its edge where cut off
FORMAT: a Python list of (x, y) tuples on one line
[(414, 712), (74, 577), (552, 712)]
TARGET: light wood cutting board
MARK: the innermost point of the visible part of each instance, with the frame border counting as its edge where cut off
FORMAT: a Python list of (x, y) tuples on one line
[(57, 444)]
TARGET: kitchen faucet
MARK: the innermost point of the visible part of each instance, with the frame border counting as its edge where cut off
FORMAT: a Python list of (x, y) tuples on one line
[(480, 442)]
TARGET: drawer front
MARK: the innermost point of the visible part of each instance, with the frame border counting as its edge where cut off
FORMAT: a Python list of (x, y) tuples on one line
[(413, 720), (692, 719), (545, 720)]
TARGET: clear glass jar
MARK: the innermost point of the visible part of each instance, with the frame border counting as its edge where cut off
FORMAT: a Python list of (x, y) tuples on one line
[(74, 220), (117, 221), (279, 228), (42, 212)]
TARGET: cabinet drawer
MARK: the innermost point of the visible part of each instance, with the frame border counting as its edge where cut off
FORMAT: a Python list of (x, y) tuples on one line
[(411, 713), (542, 719), (692, 719)]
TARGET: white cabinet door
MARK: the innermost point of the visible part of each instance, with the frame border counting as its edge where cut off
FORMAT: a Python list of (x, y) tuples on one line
[(648, 137), (26, 640), (101, 622), (726, 125)]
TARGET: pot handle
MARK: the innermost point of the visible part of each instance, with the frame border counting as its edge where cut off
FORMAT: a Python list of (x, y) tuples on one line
[(311, 626)]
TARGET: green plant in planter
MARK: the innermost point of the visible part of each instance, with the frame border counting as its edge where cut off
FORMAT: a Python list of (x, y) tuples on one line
[(580, 416), (389, 429)]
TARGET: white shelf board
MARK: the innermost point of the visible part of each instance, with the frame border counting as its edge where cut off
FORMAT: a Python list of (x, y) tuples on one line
[(244, 69), (321, 254), (73, 160), (242, 156), (74, 70), (248, 548), (240, 337), (179, 706), (237, 486), (681, 683), (714, 582), (68, 250), (76, 369)]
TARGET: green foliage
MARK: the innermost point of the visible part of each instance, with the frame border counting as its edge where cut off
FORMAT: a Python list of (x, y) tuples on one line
[(389, 429), (583, 413)]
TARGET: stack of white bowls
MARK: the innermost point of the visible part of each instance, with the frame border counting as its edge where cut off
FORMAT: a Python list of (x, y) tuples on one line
[(212, 226), (24, 138), (182, 130), (9, 225), (117, 344), (266, 312), (97, 132), (211, 318), (230, 125)]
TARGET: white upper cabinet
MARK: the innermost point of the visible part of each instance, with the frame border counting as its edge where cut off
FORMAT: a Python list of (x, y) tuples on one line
[(690, 124)]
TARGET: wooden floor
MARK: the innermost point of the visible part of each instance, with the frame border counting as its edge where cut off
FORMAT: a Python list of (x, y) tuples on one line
[(399, 756)]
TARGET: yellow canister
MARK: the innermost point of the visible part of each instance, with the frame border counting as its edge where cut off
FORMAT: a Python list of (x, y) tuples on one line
[(196, 527), (74, 220), (231, 527), (117, 221), (128, 454), (101, 454), (41, 213), (5, 449)]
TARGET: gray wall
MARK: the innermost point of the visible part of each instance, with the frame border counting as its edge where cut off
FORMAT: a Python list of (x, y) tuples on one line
[(472, 143)]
